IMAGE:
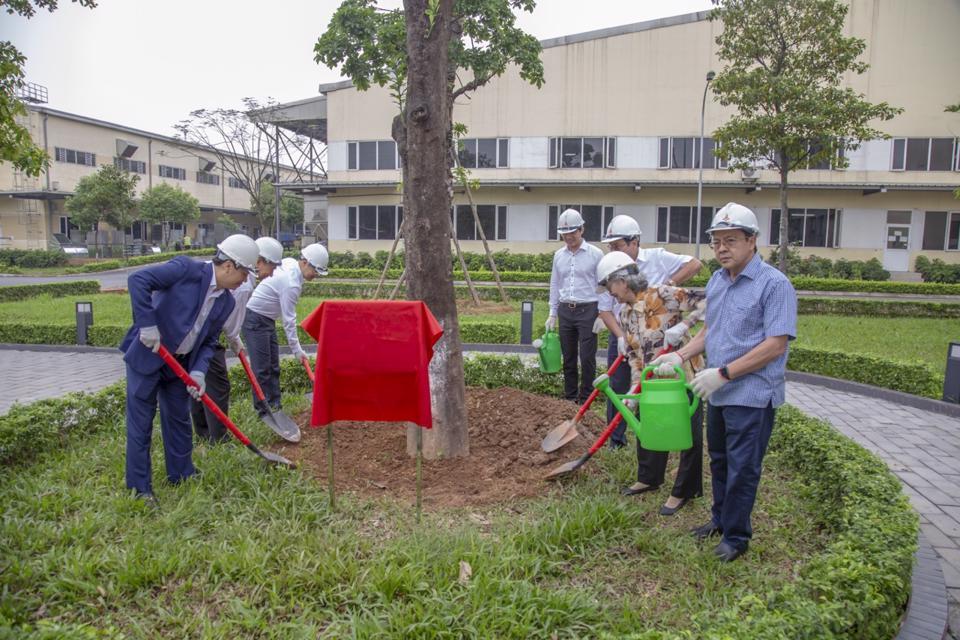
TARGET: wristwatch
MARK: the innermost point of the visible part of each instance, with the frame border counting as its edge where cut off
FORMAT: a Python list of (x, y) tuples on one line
[(725, 373)]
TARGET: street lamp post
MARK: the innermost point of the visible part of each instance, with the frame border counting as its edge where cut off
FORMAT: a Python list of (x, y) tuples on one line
[(703, 108)]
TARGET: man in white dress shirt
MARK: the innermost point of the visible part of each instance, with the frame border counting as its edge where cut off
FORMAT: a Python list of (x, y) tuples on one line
[(573, 305), (277, 297)]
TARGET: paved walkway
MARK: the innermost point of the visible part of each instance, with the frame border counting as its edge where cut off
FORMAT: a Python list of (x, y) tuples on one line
[(921, 447)]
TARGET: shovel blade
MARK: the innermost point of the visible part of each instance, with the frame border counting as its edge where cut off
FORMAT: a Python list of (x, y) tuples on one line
[(283, 425), (567, 468), (559, 436), (277, 459)]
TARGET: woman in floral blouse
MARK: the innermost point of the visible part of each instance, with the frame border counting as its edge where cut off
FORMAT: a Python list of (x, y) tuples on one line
[(652, 317)]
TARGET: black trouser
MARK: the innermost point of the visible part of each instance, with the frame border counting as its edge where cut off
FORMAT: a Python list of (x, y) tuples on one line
[(577, 337), (207, 426), (260, 338), (652, 465), (619, 382)]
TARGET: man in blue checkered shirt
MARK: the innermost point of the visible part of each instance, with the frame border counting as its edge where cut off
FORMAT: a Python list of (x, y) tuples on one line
[(751, 317)]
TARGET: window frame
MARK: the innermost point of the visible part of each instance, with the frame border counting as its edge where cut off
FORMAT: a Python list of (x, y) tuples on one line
[(704, 223), (501, 152), (500, 230), (834, 213), (208, 178), (665, 153), (83, 158), (555, 154), (953, 164), (353, 155), (177, 173), (129, 165), (353, 221)]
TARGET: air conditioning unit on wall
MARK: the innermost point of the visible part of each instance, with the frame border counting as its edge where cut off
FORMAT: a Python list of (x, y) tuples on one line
[(750, 174), (54, 185)]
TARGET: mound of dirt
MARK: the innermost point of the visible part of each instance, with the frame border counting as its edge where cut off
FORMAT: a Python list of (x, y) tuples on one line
[(506, 428)]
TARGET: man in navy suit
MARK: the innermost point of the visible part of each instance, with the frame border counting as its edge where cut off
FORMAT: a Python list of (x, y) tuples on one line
[(181, 305)]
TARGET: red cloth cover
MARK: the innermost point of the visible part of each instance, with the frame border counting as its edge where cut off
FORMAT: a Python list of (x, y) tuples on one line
[(372, 361)]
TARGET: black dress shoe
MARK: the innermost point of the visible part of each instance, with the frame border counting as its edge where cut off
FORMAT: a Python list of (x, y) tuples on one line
[(149, 499), (669, 511), (630, 491), (727, 553), (705, 531)]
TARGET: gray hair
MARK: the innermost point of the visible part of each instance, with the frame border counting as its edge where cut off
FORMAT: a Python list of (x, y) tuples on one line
[(636, 282)]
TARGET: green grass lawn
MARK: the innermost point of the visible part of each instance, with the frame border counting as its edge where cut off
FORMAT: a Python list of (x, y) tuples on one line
[(923, 339), (253, 551)]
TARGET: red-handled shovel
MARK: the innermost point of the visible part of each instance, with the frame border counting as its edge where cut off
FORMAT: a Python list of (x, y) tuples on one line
[(278, 421), (210, 404), (567, 430)]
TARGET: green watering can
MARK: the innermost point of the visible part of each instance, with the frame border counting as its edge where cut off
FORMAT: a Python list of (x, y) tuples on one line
[(548, 349), (665, 411)]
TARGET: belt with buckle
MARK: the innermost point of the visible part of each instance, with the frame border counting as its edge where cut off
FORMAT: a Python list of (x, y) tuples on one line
[(574, 305)]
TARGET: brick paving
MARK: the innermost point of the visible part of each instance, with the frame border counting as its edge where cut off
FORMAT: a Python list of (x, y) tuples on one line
[(921, 447)]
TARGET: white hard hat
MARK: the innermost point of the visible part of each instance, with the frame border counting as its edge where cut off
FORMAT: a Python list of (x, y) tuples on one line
[(241, 249), (735, 216), (270, 249), (316, 254), (569, 221), (613, 262), (622, 228)]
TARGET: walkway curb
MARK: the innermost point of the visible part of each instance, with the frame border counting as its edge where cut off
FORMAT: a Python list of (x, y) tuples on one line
[(926, 617)]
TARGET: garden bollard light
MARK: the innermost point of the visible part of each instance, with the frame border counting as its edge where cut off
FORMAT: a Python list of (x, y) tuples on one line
[(84, 321), (951, 379), (526, 322)]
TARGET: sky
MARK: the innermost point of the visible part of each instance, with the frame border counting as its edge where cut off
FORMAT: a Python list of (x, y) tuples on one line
[(148, 63)]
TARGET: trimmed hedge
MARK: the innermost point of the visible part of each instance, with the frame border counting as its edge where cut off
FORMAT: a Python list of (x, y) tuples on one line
[(909, 377), (33, 258), (54, 289), (877, 308)]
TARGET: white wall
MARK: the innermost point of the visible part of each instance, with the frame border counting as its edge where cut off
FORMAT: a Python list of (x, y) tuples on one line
[(527, 222), (337, 222), (638, 152), (337, 156), (873, 155), (529, 153), (862, 228)]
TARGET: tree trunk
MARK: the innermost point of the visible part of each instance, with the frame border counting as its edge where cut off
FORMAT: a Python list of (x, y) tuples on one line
[(784, 214), (423, 138)]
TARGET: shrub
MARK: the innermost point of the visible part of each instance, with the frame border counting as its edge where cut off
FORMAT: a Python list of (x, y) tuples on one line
[(937, 270), (877, 308), (55, 289), (32, 258), (478, 332), (817, 267), (909, 377)]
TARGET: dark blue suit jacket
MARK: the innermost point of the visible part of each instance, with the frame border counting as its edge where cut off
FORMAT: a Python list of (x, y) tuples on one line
[(170, 295)]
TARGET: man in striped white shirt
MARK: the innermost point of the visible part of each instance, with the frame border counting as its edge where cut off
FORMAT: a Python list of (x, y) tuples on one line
[(751, 318), (573, 305)]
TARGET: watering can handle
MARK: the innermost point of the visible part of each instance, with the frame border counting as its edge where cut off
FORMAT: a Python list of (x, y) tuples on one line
[(649, 369)]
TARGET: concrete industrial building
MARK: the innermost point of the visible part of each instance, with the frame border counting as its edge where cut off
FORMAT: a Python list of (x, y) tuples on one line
[(614, 130)]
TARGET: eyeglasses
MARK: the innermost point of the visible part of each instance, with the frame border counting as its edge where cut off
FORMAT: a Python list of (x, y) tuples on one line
[(729, 243)]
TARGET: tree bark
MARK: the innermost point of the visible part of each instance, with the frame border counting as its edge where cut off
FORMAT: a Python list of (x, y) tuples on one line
[(424, 144)]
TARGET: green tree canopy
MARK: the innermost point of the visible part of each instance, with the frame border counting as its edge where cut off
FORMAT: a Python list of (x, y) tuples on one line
[(785, 62), (109, 195), (291, 208), (164, 203), (16, 146)]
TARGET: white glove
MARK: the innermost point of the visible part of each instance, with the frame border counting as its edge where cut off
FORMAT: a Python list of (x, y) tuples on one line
[(598, 325), (675, 334), (298, 352), (196, 391), (707, 381), (622, 346), (150, 337), (551, 323), (631, 404), (236, 345), (666, 363)]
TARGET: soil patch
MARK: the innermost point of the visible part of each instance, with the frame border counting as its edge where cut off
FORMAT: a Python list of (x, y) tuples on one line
[(505, 462), (466, 306)]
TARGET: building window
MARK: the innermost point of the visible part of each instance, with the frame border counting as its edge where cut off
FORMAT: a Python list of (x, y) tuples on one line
[(204, 177), (172, 172), (808, 227), (595, 219), (822, 165), (373, 222), (583, 153), (75, 157), (925, 154), (236, 183), (941, 231), (484, 153), (130, 166), (371, 155), (684, 153), (493, 221), (676, 224)]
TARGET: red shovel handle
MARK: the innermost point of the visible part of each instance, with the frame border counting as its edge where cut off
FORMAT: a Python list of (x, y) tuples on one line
[(257, 390), (210, 404), (306, 365), (617, 418), (596, 392)]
